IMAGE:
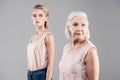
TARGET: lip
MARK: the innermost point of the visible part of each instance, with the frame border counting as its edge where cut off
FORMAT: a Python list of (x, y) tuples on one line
[(77, 34), (37, 22)]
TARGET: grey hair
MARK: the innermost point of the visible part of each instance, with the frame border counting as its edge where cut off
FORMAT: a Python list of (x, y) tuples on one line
[(69, 19)]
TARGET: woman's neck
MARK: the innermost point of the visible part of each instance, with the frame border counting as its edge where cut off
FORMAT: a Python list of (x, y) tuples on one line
[(39, 31), (77, 44), (78, 41)]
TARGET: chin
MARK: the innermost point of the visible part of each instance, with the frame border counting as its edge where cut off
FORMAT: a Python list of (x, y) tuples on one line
[(79, 38), (38, 25)]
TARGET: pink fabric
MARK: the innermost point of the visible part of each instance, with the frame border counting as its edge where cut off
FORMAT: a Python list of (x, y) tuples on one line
[(37, 54), (72, 63)]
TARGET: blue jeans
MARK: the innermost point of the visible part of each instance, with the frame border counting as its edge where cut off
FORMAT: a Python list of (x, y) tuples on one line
[(37, 74)]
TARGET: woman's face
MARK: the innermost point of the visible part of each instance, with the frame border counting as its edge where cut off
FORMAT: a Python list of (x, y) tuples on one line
[(78, 28), (39, 18)]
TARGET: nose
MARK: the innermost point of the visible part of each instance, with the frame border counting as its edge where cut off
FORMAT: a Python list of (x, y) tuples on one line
[(79, 27)]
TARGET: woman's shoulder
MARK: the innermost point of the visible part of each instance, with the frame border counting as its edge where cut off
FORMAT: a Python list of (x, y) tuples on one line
[(91, 44), (66, 46), (32, 37), (49, 34)]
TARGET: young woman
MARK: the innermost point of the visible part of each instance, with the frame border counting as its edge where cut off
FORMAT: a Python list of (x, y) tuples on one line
[(40, 50), (80, 59)]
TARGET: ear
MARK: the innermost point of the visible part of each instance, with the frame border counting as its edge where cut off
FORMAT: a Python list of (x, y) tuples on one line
[(46, 18)]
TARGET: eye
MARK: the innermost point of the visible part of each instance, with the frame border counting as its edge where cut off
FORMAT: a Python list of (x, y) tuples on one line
[(34, 15), (40, 15), (75, 24), (83, 25)]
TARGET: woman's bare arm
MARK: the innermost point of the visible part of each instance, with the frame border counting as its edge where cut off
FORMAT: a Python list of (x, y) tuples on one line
[(92, 64), (50, 50)]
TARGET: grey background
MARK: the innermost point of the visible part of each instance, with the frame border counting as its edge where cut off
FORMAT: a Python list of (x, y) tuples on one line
[(16, 28)]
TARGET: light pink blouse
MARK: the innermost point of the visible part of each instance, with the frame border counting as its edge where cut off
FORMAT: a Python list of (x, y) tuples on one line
[(37, 54), (72, 65)]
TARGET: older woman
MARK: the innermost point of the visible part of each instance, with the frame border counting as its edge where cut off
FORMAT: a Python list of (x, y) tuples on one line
[(79, 60)]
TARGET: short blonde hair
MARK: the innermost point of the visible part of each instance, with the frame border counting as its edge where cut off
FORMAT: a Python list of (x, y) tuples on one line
[(69, 19)]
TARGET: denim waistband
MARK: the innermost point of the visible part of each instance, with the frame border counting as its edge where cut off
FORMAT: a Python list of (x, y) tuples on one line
[(38, 71)]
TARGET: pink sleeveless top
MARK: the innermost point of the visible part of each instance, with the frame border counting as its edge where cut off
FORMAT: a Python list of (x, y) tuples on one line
[(37, 54), (72, 63)]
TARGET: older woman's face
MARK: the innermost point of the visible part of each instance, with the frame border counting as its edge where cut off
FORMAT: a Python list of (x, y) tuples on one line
[(78, 28)]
